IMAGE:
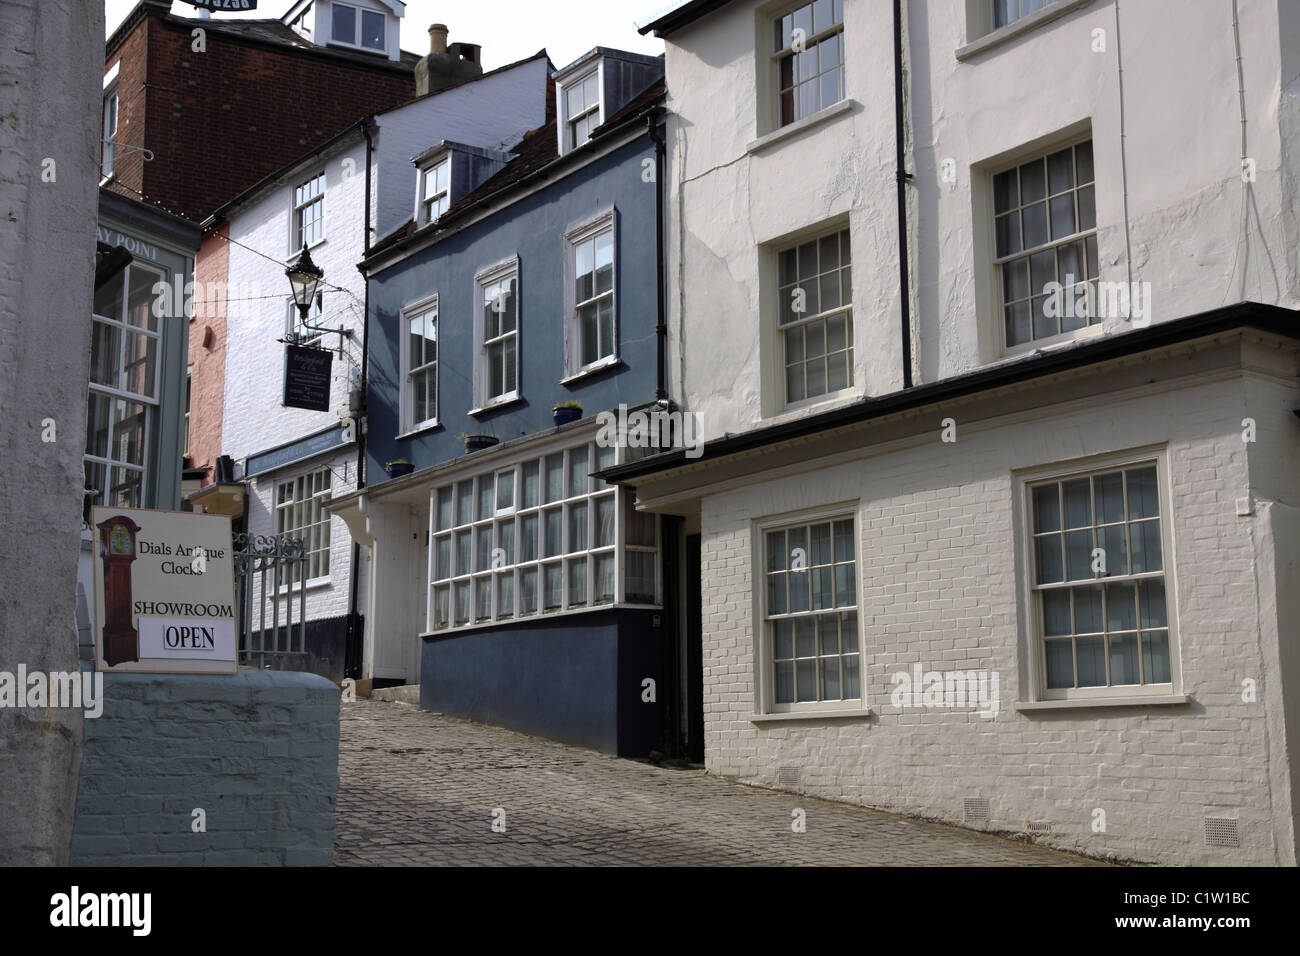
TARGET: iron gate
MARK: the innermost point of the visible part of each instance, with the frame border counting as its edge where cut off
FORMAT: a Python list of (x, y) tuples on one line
[(270, 571)]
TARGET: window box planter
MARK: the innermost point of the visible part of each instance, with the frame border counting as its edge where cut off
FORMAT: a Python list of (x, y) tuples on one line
[(566, 412), (475, 443), (396, 469)]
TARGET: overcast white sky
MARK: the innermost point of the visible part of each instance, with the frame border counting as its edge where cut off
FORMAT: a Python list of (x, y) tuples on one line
[(508, 30)]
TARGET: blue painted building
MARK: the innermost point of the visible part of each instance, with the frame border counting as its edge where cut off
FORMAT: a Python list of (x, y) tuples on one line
[(527, 592)]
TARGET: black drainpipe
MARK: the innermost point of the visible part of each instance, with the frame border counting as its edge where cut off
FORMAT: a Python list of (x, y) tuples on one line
[(902, 176), (352, 649), (661, 329)]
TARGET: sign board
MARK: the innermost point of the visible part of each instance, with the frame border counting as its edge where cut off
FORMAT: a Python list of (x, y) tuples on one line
[(307, 378), (164, 592), (339, 436), (224, 4)]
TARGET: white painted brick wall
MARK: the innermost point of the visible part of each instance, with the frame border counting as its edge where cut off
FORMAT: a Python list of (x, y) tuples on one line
[(940, 587)]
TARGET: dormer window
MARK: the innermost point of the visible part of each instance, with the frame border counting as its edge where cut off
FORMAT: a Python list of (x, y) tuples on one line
[(354, 26), (581, 109), (435, 190)]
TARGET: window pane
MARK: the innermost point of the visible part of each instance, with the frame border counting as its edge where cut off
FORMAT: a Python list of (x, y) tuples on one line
[(604, 583), (442, 561), (1078, 555), (1115, 549), (1087, 609), (1124, 660), (485, 496), (140, 300), (506, 594), (553, 580), (604, 530), (777, 589), (483, 548), (578, 471), (372, 30), (1121, 607), (1056, 613), (1033, 224), (345, 23), (640, 584), (463, 543), (784, 692), (578, 528), (844, 541), (445, 510), (464, 502), (1049, 563), (1060, 664), (844, 596), (1155, 657), (554, 529), (577, 582), (1151, 603), (554, 477), (1145, 541), (1047, 508), (531, 484), (505, 489), (783, 636), (1092, 661), (528, 538), (1078, 514), (806, 680), (849, 631), (1142, 499), (528, 591), (822, 584)]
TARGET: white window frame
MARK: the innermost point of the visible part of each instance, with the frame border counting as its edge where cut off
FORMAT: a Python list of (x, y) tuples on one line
[(1032, 605), (189, 389), (774, 57), (305, 514), (566, 122), (297, 209), (116, 392), (823, 316), (297, 333), (603, 222), (1020, 11), (485, 278), (109, 147), (356, 24), (423, 200), (444, 583), (765, 695), (406, 402), (1087, 237)]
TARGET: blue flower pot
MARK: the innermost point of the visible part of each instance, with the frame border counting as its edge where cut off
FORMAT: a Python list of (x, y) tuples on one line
[(563, 416), (399, 468)]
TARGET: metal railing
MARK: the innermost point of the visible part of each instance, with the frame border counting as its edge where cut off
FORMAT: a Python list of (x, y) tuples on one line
[(270, 570)]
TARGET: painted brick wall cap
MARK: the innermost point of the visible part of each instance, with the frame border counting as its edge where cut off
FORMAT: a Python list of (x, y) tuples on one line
[(250, 679)]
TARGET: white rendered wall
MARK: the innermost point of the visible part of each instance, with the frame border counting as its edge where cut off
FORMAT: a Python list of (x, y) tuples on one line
[(1182, 145)]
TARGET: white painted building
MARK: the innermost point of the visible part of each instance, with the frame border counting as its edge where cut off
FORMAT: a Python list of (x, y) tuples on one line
[(1037, 572), (294, 460)]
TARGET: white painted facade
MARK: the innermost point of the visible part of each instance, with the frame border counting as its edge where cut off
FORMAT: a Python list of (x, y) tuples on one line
[(944, 564), (488, 112), (738, 191)]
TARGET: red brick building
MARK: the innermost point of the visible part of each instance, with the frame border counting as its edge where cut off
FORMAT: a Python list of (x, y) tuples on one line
[(220, 104)]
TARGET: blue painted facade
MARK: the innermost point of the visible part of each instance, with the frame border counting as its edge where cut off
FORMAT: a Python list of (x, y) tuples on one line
[(577, 677), (507, 676), (532, 228)]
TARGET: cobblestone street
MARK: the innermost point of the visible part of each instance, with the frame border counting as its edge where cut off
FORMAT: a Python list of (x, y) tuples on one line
[(421, 789)]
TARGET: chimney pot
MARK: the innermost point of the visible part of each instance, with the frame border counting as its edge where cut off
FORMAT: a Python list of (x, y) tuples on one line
[(438, 38)]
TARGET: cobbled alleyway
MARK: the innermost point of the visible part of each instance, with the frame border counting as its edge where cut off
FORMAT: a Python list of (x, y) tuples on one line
[(421, 789)]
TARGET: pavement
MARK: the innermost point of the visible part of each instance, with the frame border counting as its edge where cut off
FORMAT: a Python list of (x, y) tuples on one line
[(421, 789)]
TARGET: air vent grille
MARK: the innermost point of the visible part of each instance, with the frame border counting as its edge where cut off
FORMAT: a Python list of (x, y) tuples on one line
[(975, 809), (1221, 831), (788, 777)]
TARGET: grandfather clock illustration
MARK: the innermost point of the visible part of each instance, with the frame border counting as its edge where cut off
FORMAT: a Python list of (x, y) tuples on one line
[(117, 549)]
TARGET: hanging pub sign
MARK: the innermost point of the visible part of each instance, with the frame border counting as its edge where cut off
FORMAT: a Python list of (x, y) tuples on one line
[(307, 377), (164, 592), (224, 4)]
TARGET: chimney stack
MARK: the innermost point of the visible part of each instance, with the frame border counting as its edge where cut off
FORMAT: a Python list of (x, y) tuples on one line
[(438, 38), (446, 64)]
